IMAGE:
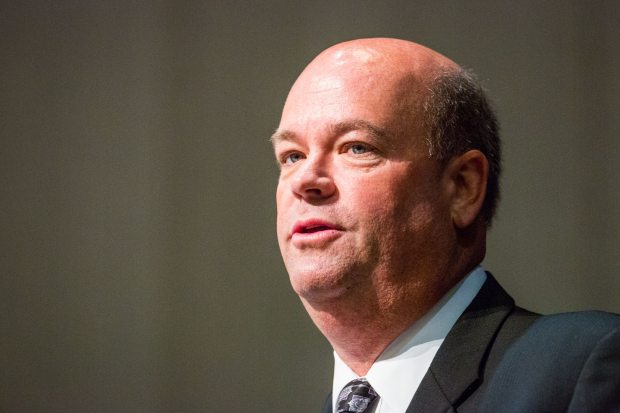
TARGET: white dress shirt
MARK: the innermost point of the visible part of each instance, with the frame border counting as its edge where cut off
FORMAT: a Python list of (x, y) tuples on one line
[(398, 371)]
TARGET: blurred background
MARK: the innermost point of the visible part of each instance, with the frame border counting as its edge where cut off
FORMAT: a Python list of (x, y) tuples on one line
[(139, 265)]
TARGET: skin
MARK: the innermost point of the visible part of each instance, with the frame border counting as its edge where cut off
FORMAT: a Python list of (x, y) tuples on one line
[(372, 232)]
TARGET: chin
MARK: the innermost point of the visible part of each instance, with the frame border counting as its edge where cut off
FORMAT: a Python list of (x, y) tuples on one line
[(318, 285)]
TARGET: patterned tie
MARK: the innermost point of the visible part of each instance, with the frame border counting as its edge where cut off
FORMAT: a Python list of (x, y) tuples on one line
[(355, 397)]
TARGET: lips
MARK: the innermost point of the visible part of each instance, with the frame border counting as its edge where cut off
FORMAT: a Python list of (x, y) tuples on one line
[(315, 233), (312, 226)]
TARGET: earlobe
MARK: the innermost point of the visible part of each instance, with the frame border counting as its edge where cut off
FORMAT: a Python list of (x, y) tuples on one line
[(468, 174)]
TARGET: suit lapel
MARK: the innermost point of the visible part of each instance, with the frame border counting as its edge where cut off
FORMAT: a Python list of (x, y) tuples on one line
[(456, 371)]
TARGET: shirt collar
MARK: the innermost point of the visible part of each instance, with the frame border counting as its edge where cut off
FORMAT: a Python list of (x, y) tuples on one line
[(398, 371)]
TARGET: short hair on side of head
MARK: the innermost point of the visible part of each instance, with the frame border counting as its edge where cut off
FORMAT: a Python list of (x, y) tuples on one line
[(458, 117)]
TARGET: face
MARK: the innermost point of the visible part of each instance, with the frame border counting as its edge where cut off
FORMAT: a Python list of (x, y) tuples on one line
[(359, 204)]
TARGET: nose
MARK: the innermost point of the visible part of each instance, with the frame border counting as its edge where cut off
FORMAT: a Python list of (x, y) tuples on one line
[(313, 182)]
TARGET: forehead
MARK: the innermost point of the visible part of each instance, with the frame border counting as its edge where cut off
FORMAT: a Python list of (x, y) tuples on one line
[(336, 101)]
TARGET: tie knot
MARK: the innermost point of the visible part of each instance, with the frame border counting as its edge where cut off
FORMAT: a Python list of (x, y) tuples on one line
[(355, 397)]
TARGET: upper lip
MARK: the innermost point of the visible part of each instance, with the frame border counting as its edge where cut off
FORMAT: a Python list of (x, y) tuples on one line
[(311, 225)]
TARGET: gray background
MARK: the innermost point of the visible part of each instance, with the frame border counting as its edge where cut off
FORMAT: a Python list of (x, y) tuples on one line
[(140, 270)]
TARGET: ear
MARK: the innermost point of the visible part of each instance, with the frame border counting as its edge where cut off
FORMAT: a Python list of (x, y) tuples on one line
[(467, 182)]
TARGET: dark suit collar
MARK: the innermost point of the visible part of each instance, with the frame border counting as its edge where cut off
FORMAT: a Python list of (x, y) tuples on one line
[(456, 370)]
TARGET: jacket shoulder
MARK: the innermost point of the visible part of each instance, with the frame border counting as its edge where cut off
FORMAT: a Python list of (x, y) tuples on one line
[(559, 364), (588, 323)]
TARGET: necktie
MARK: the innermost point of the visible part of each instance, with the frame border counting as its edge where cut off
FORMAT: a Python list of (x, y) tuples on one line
[(355, 397)]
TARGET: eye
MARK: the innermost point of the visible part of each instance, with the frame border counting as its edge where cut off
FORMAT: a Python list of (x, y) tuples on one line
[(358, 148), (291, 158)]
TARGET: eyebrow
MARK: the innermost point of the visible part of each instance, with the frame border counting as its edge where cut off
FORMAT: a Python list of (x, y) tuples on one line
[(376, 134), (281, 135)]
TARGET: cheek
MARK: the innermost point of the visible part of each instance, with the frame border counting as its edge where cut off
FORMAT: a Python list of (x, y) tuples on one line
[(280, 211), (381, 195), (395, 205), (279, 193), (376, 209)]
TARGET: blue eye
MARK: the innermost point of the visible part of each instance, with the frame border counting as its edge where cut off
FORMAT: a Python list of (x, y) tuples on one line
[(359, 149), (292, 158)]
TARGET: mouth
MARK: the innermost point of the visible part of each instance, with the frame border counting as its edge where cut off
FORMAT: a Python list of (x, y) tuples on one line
[(313, 226), (314, 234)]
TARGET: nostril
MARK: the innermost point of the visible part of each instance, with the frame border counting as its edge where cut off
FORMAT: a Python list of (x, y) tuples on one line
[(313, 191), (314, 185)]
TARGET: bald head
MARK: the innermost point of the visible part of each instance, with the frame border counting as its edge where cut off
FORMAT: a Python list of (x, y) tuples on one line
[(393, 56), (401, 69)]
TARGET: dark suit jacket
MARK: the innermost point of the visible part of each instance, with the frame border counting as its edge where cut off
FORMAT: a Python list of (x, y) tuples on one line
[(501, 358)]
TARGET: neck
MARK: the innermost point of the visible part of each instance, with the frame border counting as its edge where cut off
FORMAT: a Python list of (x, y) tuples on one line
[(359, 334), (358, 343)]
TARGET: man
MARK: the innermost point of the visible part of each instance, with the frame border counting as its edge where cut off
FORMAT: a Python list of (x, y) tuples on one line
[(390, 162)]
